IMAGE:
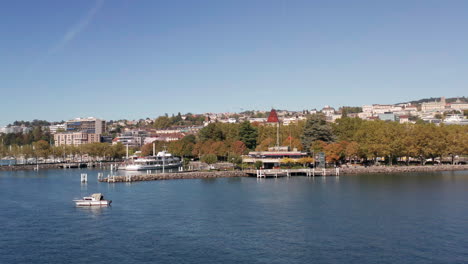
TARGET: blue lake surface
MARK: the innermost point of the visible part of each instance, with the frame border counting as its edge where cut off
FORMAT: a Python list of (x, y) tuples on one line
[(400, 218)]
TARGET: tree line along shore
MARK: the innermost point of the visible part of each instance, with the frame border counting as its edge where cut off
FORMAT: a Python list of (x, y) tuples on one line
[(347, 141)]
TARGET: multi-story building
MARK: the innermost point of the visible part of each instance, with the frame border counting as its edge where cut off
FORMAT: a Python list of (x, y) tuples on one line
[(89, 125), (81, 131), (76, 138), (459, 105), (132, 141), (15, 130), (434, 106)]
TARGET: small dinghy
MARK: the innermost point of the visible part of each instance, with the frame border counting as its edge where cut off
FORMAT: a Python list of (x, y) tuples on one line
[(96, 199)]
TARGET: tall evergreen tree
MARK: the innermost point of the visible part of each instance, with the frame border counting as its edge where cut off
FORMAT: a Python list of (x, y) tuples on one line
[(248, 134), (316, 128)]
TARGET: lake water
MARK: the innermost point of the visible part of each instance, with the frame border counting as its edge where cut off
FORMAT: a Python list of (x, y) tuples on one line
[(401, 218)]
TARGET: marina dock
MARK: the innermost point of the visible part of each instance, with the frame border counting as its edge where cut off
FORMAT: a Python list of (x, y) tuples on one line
[(293, 172)]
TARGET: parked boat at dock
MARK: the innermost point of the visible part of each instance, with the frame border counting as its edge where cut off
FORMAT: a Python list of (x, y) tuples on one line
[(162, 160), (96, 199)]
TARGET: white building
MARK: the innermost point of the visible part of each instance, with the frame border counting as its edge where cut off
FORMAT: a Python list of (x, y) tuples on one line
[(53, 128), (132, 141), (434, 106), (15, 130), (459, 105), (328, 110)]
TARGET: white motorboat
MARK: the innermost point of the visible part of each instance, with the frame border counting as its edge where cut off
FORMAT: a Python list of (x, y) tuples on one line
[(96, 199), (162, 160)]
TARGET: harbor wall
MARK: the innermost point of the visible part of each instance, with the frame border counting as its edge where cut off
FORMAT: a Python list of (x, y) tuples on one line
[(179, 175)]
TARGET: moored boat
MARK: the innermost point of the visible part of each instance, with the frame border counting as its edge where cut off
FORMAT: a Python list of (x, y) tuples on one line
[(162, 160), (96, 199)]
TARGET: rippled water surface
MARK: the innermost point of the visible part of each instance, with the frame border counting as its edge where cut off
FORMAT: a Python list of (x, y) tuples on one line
[(401, 218)]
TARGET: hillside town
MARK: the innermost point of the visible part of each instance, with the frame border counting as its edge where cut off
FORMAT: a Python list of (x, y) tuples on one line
[(136, 133), (416, 132)]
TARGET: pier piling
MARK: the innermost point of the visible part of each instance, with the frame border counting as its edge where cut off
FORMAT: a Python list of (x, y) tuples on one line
[(84, 177)]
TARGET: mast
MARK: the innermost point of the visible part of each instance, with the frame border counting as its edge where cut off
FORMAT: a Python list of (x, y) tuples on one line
[(273, 118), (277, 135)]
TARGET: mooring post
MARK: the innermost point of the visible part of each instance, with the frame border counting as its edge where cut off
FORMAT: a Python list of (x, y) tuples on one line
[(84, 177)]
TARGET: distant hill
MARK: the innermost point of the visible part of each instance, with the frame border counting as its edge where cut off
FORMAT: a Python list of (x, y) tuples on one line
[(432, 99)]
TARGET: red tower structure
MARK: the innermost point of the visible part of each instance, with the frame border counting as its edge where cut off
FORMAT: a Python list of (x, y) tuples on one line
[(273, 118)]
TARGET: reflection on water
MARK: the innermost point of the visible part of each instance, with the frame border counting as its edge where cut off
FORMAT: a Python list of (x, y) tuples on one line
[(93, 210)]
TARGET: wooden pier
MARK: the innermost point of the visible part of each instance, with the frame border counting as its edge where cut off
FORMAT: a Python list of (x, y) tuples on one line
[(293, 172)]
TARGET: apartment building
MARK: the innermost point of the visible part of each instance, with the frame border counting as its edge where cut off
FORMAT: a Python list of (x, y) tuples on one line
[(75, 138), (89, 125)]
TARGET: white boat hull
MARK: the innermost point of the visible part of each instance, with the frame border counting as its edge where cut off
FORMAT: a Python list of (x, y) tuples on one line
[(92, 203)]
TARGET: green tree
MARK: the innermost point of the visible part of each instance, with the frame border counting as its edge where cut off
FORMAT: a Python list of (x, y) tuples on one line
[(234, 158), (42, 149), (316, 128), (209, 158), (118, 151), (162, 122), (248, 134), (346, 128), (211, 131), (258, 164)]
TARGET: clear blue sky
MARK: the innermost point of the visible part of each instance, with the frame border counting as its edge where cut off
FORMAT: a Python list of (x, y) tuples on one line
[(137, 59)]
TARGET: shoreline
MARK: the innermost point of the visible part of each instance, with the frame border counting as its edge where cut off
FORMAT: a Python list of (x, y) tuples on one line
[(352, 170), (45, 166), (345, 170), (229, 174)]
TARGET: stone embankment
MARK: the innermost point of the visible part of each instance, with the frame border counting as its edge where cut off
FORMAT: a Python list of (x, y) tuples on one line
[(174, 176), (398, 169)]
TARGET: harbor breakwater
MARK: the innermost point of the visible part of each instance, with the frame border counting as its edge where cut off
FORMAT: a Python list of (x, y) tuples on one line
[(175, 176)]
